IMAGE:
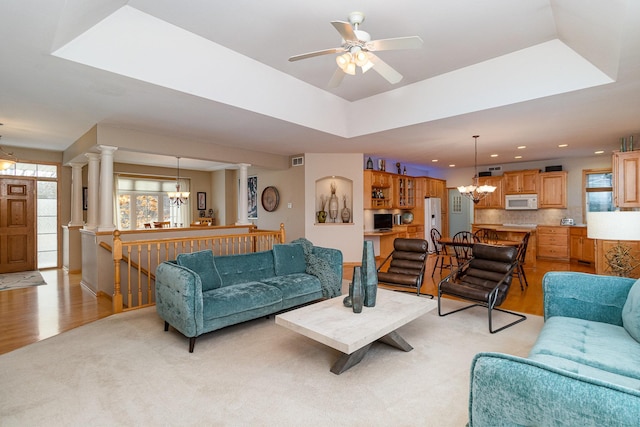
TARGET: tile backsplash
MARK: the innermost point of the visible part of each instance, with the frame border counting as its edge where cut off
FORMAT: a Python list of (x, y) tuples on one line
[(540, 216)]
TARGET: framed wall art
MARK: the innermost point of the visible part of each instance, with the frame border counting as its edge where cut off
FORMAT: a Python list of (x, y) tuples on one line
[(252, 194), (202, 200)]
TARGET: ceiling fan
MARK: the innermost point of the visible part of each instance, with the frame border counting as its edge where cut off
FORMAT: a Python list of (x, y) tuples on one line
[(357, 51)]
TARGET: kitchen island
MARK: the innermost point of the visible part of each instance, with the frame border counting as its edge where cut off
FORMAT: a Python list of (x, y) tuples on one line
[(515, 232)]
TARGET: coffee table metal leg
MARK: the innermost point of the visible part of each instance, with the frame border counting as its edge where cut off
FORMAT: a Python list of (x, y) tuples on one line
[(348, 360), (395, 340)]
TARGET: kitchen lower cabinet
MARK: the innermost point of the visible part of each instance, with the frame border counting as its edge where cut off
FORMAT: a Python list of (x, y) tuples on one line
[(553, 242)]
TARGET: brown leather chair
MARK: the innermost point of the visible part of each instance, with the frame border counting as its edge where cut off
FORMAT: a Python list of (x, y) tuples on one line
[(484, 279), (407, 265)]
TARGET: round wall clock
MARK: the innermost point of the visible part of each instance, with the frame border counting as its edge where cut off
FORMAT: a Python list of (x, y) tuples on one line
[(270, 199)]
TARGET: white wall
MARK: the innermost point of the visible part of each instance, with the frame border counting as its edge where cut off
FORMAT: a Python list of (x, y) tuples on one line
[(348, 238)]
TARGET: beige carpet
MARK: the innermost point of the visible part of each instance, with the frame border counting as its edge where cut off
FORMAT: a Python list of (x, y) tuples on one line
[(124, 370)]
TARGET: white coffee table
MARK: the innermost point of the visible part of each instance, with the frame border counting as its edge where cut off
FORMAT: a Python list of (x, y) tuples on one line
[(337, 326)]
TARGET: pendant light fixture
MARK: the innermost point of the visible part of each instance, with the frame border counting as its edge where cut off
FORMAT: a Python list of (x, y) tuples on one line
[(475, 192), (178, 197)]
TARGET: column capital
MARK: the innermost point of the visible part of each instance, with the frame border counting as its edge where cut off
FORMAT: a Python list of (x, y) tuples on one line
[(107, 149), (93, 156), (244, 165), (79, 165)]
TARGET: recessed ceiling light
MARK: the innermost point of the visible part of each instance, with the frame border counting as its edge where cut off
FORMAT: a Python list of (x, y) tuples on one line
[(517, 157), (434, 160), (494, 155), (520, 147), (599, 152), (452, 166), (562, 145)]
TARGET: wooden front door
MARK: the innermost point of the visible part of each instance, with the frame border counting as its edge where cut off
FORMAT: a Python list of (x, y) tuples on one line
[(17, 225)]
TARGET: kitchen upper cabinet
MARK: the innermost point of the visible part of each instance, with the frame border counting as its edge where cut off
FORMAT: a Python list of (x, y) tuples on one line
[(553, 190), (521, 182), (494, 200), (626, 179), (377, 190), (404, 192)]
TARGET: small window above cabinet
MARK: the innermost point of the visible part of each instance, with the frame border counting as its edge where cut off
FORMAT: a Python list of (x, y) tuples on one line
[(377, 190)]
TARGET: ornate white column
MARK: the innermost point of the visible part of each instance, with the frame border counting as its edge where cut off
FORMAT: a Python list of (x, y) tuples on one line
[(106, 188), (243, 196), (76, 194), (93, 183)]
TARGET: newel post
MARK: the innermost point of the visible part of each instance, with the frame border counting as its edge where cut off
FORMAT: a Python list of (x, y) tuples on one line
[(283, 236), (117, 257)]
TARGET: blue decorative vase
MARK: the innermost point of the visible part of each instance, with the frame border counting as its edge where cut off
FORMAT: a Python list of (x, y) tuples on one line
[(358, 291), (369, 274)]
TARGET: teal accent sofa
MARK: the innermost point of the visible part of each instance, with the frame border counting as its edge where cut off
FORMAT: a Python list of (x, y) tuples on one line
[(199, 292), (584, 369)]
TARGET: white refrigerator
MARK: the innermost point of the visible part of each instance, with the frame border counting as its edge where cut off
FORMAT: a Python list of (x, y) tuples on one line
[(432, 218)]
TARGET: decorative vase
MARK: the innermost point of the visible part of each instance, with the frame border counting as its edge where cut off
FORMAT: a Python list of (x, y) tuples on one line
[(358, 293), (333, 203), (369, 274), (321, 216), (369, 163), (348, 300), (346, 213)]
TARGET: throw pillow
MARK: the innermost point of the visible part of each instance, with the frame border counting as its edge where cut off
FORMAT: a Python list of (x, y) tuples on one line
[(289, 259), (202, 264), (631, 312)]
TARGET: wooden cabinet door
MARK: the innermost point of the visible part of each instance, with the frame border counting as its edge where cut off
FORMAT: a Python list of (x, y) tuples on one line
[(511, 182), (529, 181), (494, 200), (553, 190), (17, 225), (626, 175)]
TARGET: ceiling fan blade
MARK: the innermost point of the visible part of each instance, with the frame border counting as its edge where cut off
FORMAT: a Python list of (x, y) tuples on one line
[(316, 53), (336, 79), (384, 69), (345, 30), (413, 42)]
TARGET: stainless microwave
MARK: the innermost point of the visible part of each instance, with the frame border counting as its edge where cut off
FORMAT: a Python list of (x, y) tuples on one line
[(522, 202)]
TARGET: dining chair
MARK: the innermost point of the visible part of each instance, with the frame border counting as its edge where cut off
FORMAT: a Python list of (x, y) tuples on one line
[(462, 246), (486, 235), (522, 253), (440, 252)]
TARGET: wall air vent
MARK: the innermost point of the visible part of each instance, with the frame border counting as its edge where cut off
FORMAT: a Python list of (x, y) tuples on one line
[(297, 161), (495, 168)]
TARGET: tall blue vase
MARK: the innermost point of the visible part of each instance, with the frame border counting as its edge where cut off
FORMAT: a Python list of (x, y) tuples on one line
[(369, 274), (358, 291)]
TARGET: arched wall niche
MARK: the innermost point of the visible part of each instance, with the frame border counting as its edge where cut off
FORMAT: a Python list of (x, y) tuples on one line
[(344, 194)]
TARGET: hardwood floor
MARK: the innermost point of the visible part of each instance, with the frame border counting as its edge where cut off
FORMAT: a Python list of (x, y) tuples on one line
[(28, 315), (32, 314)]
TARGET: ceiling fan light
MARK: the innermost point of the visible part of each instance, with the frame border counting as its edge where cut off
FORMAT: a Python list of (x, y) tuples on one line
[(343, 60), (350, 69), (361, 58)]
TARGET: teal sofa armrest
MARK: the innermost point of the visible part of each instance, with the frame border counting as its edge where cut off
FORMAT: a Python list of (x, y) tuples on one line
[(179, 298), (585, 296), (509, 390)]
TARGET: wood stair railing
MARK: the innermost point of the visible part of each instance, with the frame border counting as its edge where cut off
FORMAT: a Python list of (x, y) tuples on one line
[(136, 261)]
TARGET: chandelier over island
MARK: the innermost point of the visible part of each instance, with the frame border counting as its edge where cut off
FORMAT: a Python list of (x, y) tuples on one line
[(474, 191)]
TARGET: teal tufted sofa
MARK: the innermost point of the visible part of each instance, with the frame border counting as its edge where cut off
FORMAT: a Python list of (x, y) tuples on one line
[(584, 369), (199, 293)]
